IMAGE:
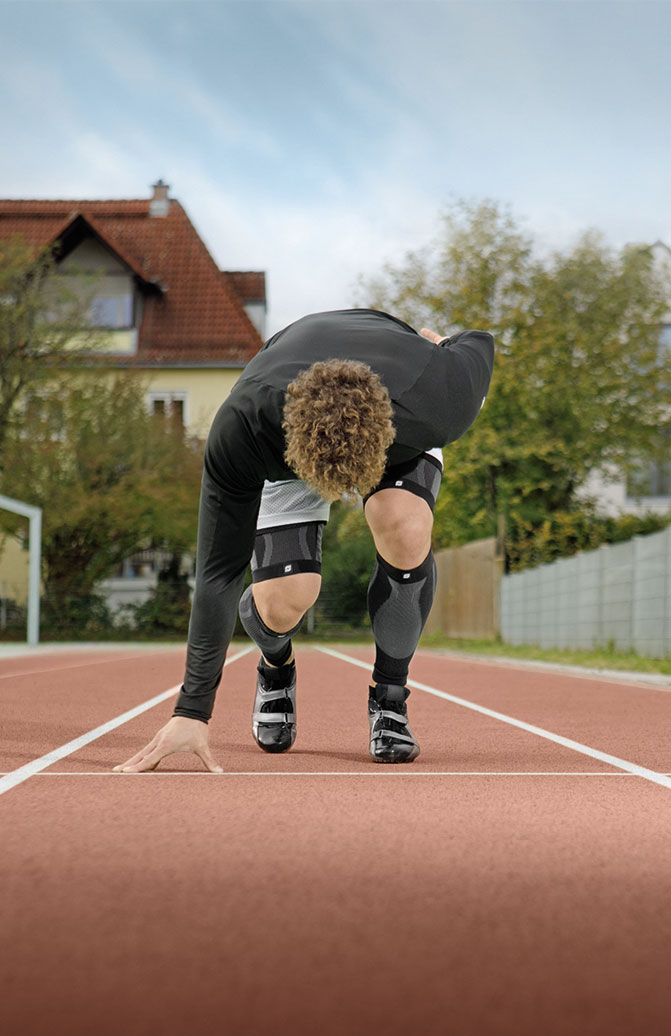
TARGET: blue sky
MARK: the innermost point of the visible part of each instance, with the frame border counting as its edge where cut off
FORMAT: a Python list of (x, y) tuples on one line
[(318, 139)]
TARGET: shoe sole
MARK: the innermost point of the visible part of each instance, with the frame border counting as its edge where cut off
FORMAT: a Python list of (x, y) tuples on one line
[(390, 760)]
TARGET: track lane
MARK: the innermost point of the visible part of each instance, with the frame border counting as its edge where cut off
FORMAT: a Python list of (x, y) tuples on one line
[(630, 721), (44, 709), (477, 905), (30, 664), (70, 748), (505, 907), (333, 729), (592, 753)]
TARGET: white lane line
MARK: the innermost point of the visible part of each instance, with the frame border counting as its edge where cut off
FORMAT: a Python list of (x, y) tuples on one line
[(10, 780), (378, 772), (612, 760)]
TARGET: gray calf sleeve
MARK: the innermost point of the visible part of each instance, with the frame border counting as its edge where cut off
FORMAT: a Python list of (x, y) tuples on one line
[(399, 602)]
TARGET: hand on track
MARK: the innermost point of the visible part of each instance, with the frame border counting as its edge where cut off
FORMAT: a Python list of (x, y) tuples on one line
[(180, 734), (432, 336)]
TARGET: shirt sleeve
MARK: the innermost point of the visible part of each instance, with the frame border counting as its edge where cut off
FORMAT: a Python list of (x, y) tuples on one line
[(466, 361), (229, 506)]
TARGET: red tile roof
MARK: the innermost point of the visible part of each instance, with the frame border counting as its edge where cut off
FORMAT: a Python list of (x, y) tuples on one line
[(199, 317)]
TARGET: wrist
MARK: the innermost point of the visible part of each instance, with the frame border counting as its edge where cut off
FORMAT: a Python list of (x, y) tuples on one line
[(188, 714)]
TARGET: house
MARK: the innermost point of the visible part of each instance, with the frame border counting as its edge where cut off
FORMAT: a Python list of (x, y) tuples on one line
[(160, 303)]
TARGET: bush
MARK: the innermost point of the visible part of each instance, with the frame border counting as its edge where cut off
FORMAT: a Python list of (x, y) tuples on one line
[(566, 533), (168, 608), (14, 621), (84, 616), (349, 557)]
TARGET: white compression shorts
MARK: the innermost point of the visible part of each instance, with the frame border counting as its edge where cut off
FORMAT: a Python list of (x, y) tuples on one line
[(292, 502)]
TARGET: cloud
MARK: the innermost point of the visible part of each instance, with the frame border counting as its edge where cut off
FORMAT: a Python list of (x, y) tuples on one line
[(318, 140)]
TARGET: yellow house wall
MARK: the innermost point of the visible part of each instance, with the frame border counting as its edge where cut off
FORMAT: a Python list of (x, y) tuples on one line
[(205, 389), (13, 570), (122, 343)]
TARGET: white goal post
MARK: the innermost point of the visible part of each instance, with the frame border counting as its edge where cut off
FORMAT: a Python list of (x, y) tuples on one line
[(34, 514)]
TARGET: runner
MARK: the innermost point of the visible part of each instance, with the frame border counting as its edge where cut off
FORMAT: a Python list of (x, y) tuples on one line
[(339, 402)]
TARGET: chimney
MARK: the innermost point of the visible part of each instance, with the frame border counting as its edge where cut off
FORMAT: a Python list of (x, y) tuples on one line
[(160, 203)]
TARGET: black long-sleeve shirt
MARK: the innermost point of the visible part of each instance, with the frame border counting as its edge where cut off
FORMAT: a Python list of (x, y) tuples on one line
[(436, 394)]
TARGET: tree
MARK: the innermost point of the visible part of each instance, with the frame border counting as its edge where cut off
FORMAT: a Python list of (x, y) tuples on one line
[(41, 317), (577, 383), (111, 478), (349, 557)]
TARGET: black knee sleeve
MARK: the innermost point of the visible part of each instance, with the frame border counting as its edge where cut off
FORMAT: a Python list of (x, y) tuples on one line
[(286, 549), (275, 647), (421, 475), (399, 602)]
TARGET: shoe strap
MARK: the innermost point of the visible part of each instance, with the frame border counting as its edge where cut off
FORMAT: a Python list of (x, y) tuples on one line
[(273, 717), (377, 734), (397, 717)]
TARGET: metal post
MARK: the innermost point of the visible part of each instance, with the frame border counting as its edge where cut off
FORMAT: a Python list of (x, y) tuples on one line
[(34, 577)]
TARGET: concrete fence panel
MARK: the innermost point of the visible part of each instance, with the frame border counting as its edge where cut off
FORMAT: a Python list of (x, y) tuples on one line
[(565, 576), (650, 593), (619, 594)]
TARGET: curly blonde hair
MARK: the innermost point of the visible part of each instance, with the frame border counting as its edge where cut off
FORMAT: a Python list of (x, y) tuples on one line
[(338, 427)]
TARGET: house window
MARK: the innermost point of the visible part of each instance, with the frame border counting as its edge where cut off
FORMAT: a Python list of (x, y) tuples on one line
[(171, 404), (43, 417), (177, 410), (112, 311), (665, 342), (653, 477)]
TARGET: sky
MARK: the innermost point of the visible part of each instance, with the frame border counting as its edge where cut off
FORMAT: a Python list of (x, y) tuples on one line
[(320, 139)]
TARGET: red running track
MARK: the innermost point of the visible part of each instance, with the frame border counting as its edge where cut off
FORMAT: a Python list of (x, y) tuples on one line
[(502, 884)]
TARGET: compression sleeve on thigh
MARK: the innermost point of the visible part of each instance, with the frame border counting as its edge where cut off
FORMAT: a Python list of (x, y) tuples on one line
[(226, 531)]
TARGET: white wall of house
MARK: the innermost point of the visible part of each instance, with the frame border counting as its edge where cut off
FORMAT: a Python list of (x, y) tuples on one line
[(97, 275), (256, 311), (610, 493)]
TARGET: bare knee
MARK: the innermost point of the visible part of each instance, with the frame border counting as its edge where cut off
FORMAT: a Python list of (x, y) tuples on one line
[(283, 602), (401, 524)]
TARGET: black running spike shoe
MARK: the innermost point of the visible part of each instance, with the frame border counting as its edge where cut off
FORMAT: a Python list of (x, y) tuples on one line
[(391, 739), (274, 716)]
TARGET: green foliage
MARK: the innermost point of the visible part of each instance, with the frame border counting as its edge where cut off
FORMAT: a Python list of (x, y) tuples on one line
[(110, 478), (66, 616), (14, 618), (601, 658), (348, 560), (168, 609), (577, 384), (40, 315), (565, 533)]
